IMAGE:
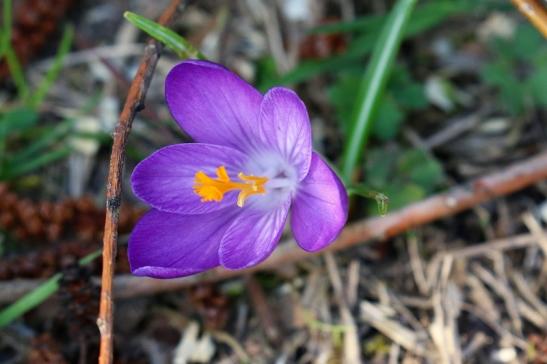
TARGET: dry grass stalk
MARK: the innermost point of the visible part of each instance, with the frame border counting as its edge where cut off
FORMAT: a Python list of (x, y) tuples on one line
[(351, 337), (408, 339)]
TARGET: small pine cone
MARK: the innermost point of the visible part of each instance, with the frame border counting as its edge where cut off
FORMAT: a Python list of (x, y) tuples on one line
[(6, 220), (46, 210), (59, 214), (34, 225), (53, 232)]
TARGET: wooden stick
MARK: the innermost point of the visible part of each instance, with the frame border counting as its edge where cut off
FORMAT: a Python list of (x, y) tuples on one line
[(535, 12), (134, 103), (509, 179)]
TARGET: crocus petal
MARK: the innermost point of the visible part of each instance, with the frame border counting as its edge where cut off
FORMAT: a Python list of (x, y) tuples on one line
[(165, 245), (285, 128), (320, 208), (165, 179), (212, 104), (252, 237)]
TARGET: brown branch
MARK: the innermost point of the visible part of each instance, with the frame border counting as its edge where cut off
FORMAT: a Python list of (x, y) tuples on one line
[(133, 104), (509, 180), (536, 13), (503, 182)]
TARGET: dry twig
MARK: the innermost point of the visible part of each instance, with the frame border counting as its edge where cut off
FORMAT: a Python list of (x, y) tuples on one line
[(508, 180), (412, 341), (133, 104), (535, 12), (351, 339)]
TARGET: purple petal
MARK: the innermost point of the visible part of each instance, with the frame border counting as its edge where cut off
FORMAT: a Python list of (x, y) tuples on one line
[(165, 179), (285, 127), (320, 208), (252, 237), (212, 104), (165, 245)]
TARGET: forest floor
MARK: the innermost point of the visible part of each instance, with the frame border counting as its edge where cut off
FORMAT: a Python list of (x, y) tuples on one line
[(463, 120)]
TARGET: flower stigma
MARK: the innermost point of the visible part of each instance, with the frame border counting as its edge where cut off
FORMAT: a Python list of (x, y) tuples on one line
[(210, 189)]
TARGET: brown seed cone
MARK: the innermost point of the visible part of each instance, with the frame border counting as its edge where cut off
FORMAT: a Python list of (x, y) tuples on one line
[(74, 226), (66, 220)]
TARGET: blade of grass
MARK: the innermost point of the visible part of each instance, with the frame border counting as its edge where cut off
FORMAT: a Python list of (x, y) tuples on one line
[(44, 141), (16, 170), (16, 72), (38, 295), (373, 83), (37, 97), (14, 121), (6, 32), (18, 120), (30, 300), (172, 40), (6, 50)]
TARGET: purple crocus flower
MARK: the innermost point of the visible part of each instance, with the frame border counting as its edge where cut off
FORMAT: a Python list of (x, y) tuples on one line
[(224, 200)]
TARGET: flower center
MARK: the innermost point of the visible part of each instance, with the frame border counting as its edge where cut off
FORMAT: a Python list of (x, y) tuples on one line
[(210, 189)]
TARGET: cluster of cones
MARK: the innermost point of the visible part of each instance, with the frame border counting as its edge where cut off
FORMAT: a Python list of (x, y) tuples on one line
[(66, 230)]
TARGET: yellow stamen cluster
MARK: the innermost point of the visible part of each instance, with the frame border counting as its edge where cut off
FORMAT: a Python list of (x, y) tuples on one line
[(210, 189)]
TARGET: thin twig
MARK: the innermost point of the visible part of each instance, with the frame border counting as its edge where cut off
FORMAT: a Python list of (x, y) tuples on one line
[(133, 104), (509, 179), (535, 12), (503, 291), (417, 265)]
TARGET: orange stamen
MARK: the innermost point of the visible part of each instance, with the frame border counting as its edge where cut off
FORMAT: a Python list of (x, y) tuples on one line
[(210, 189)]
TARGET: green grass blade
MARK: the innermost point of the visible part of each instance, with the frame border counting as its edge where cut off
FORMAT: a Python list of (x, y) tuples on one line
[(22, 167), (6, 32), (16, 72), (18, 120), (43, 142), (90, 257), (7, 50), (30, 300), (172, 40), (39, 294), (38, 96), (14, 121), (373, 83)]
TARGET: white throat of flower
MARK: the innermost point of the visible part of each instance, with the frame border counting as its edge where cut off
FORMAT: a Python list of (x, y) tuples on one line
[(282, 179), (267, 182)]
